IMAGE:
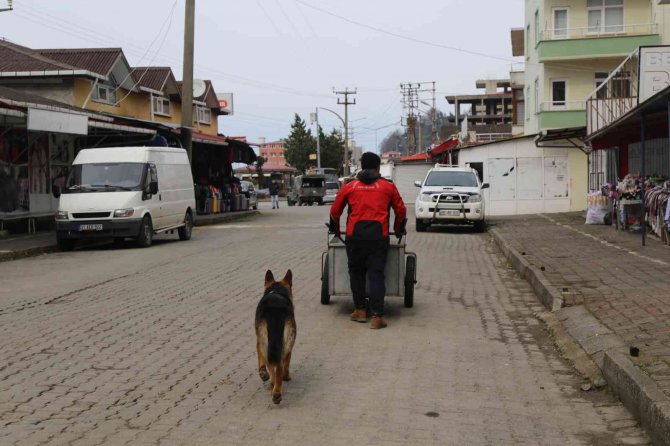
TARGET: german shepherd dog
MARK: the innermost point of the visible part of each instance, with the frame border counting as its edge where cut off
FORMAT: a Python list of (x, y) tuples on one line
[(275, 332)]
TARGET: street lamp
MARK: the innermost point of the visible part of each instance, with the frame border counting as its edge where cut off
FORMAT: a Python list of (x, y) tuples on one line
[(10, 8), (346, 143)]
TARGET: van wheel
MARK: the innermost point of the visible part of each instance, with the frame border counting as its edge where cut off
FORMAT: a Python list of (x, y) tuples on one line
[(146, 235), (186, 230), (421, 226), (65, 244)]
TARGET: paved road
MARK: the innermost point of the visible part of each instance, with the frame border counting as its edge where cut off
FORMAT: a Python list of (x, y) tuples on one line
[(156, 346)]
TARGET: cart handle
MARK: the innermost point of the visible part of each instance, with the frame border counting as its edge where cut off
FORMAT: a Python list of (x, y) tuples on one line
[(342, 240)]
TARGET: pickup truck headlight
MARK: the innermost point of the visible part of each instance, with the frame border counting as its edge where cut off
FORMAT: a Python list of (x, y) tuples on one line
[(120, 213), (475, 199), (61, 215), (425, 197)]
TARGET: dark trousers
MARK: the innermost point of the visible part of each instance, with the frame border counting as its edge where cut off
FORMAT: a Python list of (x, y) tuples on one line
[(368, 257)]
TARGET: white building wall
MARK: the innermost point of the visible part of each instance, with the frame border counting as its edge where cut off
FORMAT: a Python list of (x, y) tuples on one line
[(525, 179)]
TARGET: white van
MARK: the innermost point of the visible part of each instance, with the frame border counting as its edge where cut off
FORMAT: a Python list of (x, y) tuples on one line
[(126, 192)]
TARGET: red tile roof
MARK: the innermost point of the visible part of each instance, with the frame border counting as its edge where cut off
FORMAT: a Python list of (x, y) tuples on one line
[(97, 60), (153, 78), (15, 57)]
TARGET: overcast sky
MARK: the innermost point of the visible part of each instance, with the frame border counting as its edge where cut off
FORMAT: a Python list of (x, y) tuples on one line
[(281, 57)]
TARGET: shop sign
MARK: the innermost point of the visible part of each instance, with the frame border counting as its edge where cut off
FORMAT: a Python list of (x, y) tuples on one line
[(57, 122), (654, 71), (225, 102)]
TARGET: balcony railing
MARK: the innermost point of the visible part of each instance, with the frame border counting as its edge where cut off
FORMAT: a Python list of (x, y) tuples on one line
[(615, 96), (552, 106), (599, 31), (489, 137)]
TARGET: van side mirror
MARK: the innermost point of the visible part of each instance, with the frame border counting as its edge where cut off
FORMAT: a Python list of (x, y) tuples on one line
[(417, 183), (486, 186), (153, 187), (56, 191)]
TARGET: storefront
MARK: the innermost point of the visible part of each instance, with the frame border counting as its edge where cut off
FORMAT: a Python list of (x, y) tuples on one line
[(281, 174), (217, 190)]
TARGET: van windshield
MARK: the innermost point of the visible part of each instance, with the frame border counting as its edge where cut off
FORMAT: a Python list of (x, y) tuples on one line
[(446, 178), (105, 177)]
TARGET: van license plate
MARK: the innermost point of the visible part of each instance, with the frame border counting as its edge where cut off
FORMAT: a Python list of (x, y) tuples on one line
[(450, 213), (90, 227)]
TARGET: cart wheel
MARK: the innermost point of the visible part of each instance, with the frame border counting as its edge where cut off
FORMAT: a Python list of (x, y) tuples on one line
[(410, 274), (325, 297)]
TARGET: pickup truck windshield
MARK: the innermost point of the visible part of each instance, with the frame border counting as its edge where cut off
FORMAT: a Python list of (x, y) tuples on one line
[(446, 178), (104, 177)]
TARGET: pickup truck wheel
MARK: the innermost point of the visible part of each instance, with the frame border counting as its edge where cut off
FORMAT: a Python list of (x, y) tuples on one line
[(146, 235), (420, 225), (186, 230), (480, 226), (325, 296), (65, 244), (410, 274)]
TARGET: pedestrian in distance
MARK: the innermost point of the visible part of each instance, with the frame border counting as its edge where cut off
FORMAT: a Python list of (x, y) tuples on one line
[(369, 198), (274, 194)]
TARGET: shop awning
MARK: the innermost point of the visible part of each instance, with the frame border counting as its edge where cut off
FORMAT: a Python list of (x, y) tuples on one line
[(567, 137), (241, 151), (445, 147)]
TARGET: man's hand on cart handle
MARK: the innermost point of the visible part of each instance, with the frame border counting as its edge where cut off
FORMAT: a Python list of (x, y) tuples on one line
[(402, 229), (334, 228)]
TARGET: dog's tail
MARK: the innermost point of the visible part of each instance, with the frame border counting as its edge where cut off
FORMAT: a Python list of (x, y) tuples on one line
[(275, 339)]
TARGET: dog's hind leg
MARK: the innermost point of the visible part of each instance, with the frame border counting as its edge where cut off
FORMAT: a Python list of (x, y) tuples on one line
[(262, 366), (287, 366), (277, 383)]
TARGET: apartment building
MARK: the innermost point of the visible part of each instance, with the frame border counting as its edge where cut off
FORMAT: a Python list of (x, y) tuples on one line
[(274, 152), (572, 46)]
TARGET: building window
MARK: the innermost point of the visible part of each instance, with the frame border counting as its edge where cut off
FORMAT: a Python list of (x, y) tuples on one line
[(537, 26), (621, 85), (536, 93), (527, 101), (203, 115), (105, 93), (560, 23), (161, 106), (559, 93), (527, 51), (605, 16)]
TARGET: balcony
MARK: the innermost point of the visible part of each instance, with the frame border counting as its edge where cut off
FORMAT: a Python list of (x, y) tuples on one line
[(595, 42), (565, 115)]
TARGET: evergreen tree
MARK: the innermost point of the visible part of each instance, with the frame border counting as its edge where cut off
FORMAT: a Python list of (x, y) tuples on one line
[(299, 144), (332, 149)]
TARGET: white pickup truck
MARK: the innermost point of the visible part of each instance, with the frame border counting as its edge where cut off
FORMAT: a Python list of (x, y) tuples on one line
[(450, 195)]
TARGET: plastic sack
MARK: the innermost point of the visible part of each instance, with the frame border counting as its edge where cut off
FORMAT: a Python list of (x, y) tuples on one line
[(598, 211)]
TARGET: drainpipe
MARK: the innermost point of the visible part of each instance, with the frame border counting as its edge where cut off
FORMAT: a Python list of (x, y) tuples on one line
[(151, 105)]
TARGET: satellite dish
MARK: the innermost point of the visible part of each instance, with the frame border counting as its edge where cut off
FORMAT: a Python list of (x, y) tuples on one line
[(199, 88)]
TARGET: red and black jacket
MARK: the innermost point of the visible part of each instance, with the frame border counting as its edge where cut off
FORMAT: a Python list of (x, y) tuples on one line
[(369, 198)]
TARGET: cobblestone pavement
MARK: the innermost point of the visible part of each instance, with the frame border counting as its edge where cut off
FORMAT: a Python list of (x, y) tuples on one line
[(156, 346), (626, 286)]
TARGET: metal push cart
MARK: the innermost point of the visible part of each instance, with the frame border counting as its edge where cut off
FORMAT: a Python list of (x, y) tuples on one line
[(400, 271)]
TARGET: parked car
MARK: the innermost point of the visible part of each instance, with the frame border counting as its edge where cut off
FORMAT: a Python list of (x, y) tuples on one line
[(307, 190), (450, 195), (249, 191), (126, 192), (332, 188)]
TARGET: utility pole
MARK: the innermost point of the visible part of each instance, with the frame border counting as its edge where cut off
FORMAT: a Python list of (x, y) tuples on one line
[(434, 129), (187, 85), (346, 104), (315, 118)]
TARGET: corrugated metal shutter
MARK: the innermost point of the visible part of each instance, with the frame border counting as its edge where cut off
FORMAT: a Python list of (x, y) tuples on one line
[(404, 176)]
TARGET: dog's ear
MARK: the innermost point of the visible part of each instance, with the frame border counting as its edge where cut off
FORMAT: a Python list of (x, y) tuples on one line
[(269, 278), (288, 278)]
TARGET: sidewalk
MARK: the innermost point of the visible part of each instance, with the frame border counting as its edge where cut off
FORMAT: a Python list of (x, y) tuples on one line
[(612, 295), (26, 245)]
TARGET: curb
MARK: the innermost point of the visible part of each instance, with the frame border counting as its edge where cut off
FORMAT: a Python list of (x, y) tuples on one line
[(47, 249), (213, 219), (636, 390), (545, 291)]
